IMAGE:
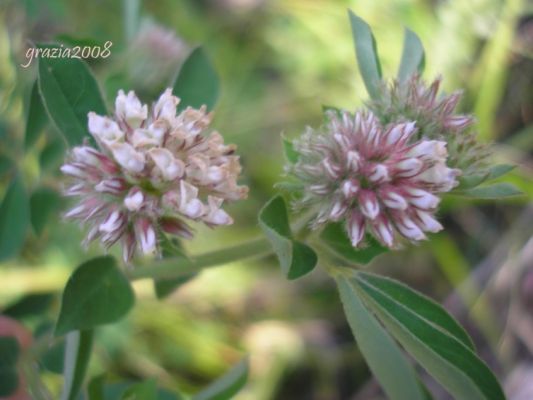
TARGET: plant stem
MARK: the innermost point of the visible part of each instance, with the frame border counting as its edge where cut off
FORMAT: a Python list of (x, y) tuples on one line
[(179, 266)]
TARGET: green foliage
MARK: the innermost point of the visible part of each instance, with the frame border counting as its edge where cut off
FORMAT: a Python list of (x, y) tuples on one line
[(37, 118), (291, 155), (336, 240), (97, 293), (14, 219), (228, 385), (9, 354), (366, 54), (197, 82), (384, 357), (438, 344), (44, 202), (296, 258), (412, 56), (29, 305), (69, 92), (77, 355), (495, 191), (141, 391)]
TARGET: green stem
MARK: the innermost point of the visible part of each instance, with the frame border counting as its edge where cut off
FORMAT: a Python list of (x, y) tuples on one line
[(179, 266)]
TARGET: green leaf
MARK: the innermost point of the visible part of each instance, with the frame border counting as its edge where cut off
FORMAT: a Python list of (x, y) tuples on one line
[(412, 56), (44, 202), (228, 385), (454, 365), (366, 54), (336, 240), (29, 305), (384, 357), (6, 165), (14, 219), (69, 92), (52, 155), (499, 170), (77, 355), (9, 354), (97, 293), (141, 391), (291, 155), (37, 118), (95, 388), (496, 191), (296, 258), (197, 82), (422, 305)]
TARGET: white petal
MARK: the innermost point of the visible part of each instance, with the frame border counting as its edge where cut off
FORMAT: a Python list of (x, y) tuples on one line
[(428, 223), (128, 157), (394, 200), (423, 199), (134, 201), (409, 167)]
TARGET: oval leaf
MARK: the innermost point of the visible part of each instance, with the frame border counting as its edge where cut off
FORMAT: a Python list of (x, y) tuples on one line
[(228, 385), (384, 357), (69, 91), (77, 355), (197, 82), (366, 54), (296, 258), (97, 293), (14, 219), (446, 358), (412, 56), (336, 240)]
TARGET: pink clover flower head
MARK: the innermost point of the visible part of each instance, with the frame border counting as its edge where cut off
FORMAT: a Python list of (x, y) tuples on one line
[(378, 180), (153, 170)]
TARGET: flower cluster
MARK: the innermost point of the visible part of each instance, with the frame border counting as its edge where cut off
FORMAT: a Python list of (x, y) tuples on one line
[(435, 118), (153, 170), (376, 178)]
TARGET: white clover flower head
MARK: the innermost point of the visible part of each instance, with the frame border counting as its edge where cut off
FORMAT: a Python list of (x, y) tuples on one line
[(376, 179), (152, 171)]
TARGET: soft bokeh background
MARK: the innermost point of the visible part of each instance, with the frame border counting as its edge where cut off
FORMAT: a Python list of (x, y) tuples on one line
[(279, 62)]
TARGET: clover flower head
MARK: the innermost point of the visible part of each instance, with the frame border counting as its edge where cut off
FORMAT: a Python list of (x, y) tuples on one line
[(151, 172), (377, 179), (436, 118)]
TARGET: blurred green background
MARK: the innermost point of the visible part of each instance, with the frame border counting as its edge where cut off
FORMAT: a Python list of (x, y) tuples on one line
[(279, 61)]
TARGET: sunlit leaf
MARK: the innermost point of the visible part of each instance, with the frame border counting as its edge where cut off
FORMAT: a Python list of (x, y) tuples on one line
[(69, 91), (296, 258), (9, 354), (384, 357), (14, 219), (335, 238), (366, 54), (412, 56), (197, 82), (228, 385), (36, 119), (454, 365), (77, 355), (97, 293)]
